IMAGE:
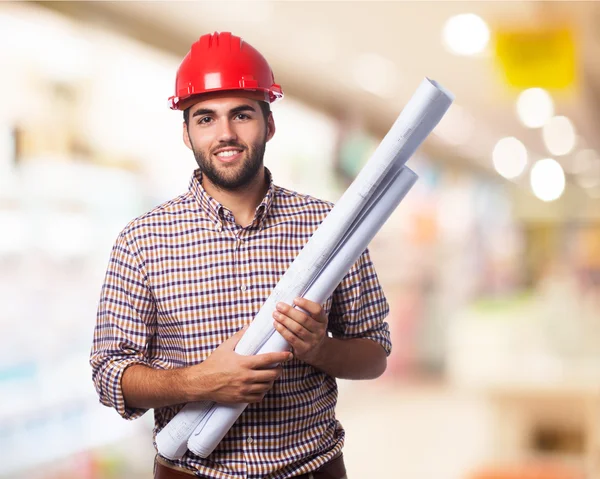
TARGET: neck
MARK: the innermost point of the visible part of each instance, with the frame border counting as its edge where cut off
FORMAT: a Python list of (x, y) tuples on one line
[(242, 202)]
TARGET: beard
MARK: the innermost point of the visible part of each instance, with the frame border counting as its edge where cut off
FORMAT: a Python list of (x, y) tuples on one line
[(235, 177)]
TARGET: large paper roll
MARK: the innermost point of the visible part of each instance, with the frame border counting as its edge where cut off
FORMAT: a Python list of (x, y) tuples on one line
[(421, 114)]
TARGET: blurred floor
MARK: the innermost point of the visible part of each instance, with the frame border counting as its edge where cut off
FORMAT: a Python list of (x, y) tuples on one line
[(414, 431), (408, 431)]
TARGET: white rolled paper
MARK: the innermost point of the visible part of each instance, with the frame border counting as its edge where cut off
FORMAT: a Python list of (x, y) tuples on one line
[(209, 433), (205, 424)]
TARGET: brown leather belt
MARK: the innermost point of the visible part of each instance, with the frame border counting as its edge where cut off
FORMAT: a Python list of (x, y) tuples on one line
[(334, 469), (162, 471)]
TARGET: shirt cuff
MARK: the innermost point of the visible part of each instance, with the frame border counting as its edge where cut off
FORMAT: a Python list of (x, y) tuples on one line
[(380, 336), (113, 391)]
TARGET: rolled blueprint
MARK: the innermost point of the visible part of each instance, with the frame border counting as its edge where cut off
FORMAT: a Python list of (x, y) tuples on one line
[(422, 113), (214, 420), (419, 117), (211, 431)]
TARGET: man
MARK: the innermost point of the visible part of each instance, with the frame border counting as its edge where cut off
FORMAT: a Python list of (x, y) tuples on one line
[(184, 279)]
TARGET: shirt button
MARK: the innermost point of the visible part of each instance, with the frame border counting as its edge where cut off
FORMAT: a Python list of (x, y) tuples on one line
[(243, 287), (249, 440)]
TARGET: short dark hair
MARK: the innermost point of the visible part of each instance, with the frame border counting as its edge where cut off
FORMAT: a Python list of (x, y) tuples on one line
[(264, 106)]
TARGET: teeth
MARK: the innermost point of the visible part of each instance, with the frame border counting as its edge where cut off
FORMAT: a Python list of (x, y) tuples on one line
[(227, 153)]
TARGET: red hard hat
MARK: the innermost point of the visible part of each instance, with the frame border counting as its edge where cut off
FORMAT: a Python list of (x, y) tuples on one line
[(221, 62)]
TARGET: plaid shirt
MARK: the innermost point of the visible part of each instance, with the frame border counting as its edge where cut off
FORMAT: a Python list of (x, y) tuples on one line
[(184, 277)]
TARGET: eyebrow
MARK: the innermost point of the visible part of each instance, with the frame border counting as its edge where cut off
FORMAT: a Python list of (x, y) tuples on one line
[(237, 109)]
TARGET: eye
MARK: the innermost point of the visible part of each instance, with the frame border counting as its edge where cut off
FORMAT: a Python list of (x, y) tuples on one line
[(242, 116), (204, 120)]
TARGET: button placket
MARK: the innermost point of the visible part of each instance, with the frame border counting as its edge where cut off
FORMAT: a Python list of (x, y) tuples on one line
[(239, 242)]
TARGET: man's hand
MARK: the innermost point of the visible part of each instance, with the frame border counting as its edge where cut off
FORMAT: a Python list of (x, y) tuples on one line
[(304, 330), (227, 377)]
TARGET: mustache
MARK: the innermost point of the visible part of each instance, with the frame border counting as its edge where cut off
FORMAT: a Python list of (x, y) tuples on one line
[(230, 144)]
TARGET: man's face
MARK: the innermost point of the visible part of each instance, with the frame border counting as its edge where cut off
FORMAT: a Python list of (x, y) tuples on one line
[(227, 134)]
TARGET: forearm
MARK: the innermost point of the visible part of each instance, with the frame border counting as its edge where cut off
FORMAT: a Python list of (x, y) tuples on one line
[(145, 387), (358, 358)]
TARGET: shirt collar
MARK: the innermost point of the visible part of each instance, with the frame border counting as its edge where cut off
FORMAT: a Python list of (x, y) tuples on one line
[(216, 211)]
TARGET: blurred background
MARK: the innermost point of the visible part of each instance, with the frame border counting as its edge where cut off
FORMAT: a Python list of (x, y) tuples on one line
[(491, 264)]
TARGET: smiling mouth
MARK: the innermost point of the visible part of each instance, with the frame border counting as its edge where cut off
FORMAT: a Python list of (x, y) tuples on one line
[(228, 155)]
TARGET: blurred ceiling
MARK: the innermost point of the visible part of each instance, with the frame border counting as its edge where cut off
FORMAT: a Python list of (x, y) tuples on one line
[(314, 48)]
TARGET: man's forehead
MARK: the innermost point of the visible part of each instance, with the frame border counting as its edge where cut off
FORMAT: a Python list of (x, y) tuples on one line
[(224, 98)]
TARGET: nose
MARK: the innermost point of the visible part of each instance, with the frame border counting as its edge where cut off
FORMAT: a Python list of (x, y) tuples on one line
[(226, 131)]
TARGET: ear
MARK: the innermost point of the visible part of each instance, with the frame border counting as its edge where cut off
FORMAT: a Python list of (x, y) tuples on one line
[(186, 136), (270, 126)]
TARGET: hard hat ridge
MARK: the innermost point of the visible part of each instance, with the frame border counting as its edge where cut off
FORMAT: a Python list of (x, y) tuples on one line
[(223, 62)]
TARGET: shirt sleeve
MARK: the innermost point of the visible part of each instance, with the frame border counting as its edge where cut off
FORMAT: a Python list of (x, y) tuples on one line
[(359, 306), (125, 324)]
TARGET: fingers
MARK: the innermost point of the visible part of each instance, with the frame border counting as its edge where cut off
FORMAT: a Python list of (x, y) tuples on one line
[(291, 326), (283, 329), (268, 360), (262, 383), (265, 375), (301, 318), (315, 310)]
